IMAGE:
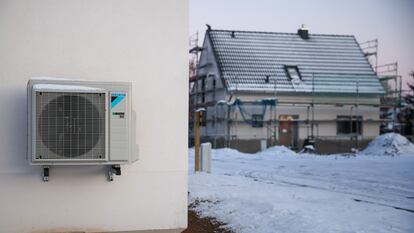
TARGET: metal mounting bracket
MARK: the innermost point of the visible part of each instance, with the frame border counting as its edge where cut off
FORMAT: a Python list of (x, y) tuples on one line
[(114, 170), (46, 173)]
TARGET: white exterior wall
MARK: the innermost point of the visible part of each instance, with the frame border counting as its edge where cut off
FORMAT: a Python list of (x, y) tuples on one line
[(322, 113), (213, 93), (208, 67), (144, 42), (325, 129)]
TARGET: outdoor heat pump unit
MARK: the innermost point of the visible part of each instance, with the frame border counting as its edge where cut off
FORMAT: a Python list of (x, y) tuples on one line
[(75, 123)]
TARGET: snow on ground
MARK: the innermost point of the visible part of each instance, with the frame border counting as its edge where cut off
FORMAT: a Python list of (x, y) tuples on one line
[(278, 190), (389, 144)]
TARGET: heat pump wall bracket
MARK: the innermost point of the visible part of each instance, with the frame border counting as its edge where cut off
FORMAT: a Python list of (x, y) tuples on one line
[(46, 173), (114, 170)]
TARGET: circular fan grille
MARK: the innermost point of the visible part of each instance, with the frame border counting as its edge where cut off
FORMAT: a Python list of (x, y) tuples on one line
[(70, 126)]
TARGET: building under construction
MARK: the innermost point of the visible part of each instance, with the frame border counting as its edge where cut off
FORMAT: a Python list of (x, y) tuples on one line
[(260, 89)]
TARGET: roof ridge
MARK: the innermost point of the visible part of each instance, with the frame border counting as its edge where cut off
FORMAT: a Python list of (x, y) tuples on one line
[(278, 33)]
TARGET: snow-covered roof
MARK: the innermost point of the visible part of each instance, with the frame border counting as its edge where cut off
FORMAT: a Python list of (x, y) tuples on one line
[(256, 61)]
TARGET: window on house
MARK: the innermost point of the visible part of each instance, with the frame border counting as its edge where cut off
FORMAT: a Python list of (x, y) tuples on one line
[(346, 125), (293, 74), (203, 120), (203, 89), (257, 120), (203, 84)]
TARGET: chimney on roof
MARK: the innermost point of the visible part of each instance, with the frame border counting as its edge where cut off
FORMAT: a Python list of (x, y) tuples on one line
[(303, 32)]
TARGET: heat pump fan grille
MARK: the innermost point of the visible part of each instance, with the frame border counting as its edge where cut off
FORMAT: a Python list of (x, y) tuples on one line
[(70, 125)]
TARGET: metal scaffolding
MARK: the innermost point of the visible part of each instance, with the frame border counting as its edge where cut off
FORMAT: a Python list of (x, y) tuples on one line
[(370, 49), (392, 83), (391, 101), (232, 115), (194, 55)]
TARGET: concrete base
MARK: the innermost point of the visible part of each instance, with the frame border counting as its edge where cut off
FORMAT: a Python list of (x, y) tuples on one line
[(323, 146), (246, 146)]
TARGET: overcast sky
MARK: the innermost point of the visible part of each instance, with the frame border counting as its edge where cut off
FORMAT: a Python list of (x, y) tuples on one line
[(391, 21)]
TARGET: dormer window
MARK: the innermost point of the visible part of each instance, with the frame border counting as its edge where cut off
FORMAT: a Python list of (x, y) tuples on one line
[(293, 74)]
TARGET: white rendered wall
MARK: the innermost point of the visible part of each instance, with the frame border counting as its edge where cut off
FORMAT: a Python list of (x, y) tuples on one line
[(322, 112), (144, 42)]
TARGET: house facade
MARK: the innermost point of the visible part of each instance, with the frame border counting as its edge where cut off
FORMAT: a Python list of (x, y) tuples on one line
[(265, 88)]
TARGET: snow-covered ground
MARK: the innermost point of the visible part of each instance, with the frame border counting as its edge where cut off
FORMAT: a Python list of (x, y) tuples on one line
[(278, 190)]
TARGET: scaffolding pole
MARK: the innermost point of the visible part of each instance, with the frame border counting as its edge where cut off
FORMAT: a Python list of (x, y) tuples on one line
[(313, 106), (275, 124), (356, 116)]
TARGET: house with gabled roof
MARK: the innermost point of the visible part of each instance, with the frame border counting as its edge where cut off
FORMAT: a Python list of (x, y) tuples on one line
[(268, 88)]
